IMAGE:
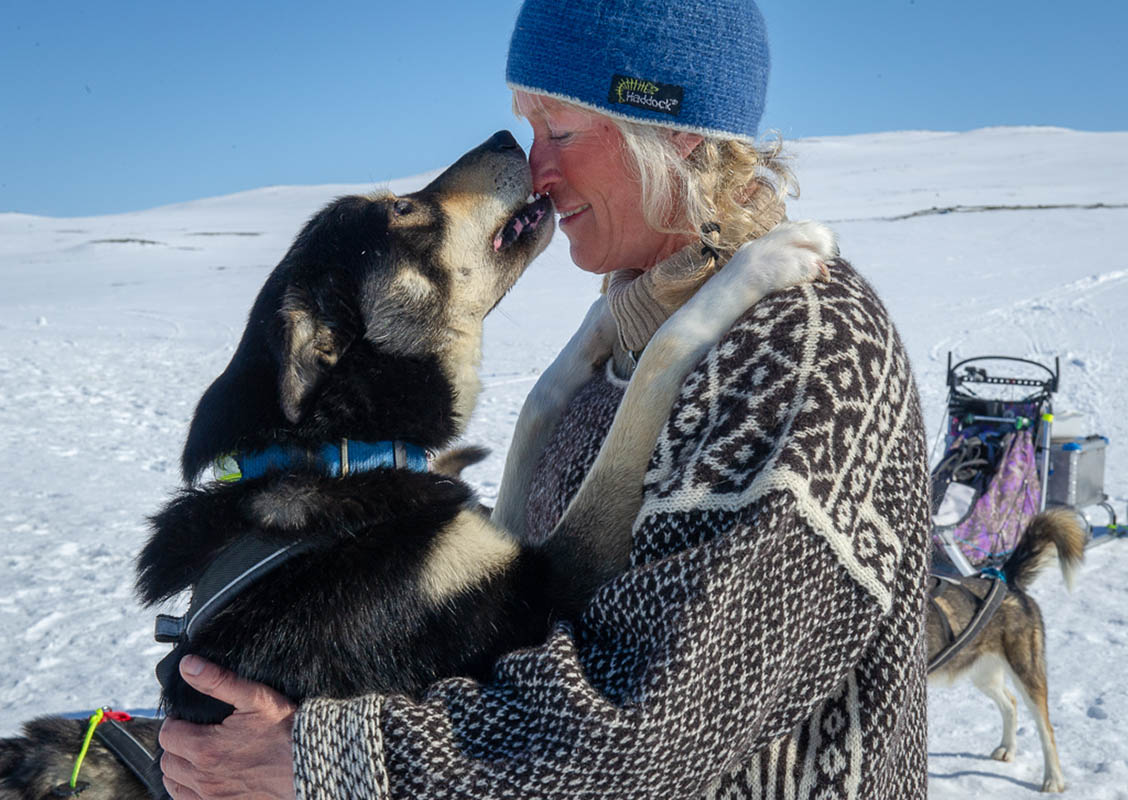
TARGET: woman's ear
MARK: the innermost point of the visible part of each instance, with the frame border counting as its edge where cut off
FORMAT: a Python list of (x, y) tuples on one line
[(686, 142)]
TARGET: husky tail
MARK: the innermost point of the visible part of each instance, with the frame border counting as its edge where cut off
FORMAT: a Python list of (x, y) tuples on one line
[(452, 462), (1059, 527)]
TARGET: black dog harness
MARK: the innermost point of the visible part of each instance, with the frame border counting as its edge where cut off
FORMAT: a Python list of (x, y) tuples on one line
[(239, 565), (105, 725), (250, 558), (246, 560), (985, 608), (136, 756)]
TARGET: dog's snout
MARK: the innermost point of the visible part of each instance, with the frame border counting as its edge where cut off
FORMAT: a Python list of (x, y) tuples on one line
[(502, 141), (497, 167)]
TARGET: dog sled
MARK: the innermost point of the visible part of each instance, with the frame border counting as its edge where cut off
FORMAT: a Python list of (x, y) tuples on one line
[(1003, 463)]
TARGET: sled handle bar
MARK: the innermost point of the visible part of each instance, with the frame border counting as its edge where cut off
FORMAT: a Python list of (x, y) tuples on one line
[(1050, 384)]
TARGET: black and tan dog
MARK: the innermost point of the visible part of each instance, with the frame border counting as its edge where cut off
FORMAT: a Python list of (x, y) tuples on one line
[(360, 355), (1013, 642)]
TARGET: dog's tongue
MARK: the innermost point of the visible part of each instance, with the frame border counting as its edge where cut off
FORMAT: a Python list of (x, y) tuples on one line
[(513, 228), (508, 234)]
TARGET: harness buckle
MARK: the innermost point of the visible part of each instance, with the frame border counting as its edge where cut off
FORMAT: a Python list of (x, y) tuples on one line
[(66, 790), (169, 629)]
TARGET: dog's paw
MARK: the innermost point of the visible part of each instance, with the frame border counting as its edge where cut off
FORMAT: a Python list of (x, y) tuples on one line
[(1003, 753), (1053, 784), (791, 254)]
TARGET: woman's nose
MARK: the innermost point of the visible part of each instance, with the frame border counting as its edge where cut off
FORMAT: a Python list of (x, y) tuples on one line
[(543, 167)]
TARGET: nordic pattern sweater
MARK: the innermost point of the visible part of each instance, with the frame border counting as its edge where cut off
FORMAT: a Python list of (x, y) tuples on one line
[(767, 640)]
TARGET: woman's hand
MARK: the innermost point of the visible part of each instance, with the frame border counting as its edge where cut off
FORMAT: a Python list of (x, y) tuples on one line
[(248, 755)]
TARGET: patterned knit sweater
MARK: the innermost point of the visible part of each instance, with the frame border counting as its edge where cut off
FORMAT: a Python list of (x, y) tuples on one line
[(767, 640)]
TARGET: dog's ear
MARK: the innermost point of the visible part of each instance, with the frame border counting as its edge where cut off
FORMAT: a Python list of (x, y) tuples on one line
[(310, 349)]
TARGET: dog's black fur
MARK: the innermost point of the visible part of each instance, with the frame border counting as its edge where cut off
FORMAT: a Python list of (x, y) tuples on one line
[(347, 617), (333, 263), (334, 349)]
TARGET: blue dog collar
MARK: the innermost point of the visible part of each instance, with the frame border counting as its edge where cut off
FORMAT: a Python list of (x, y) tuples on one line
[(335, 460)]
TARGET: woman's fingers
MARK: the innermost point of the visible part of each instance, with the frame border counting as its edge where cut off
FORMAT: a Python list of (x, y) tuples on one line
[(247, 755), (179, 791), (226, 686), (178, 774), (187, 749)]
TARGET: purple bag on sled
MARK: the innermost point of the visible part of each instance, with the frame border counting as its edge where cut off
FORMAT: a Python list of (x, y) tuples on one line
[(987, 520)]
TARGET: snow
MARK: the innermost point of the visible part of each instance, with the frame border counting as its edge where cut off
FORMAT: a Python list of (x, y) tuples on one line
[(111, 327)]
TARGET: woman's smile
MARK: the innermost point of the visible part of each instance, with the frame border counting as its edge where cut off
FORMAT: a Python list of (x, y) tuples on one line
[(567, 216)]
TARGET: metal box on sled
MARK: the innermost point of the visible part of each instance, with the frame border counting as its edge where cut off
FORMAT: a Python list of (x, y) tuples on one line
[(1077, 471)]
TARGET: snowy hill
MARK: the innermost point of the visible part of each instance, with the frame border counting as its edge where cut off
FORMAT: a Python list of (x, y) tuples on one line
[(999, 240)]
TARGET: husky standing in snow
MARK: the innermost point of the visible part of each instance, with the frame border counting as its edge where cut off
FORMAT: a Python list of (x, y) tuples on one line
[(1013, 642)]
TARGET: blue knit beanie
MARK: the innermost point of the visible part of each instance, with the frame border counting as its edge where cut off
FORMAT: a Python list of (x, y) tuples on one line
[(694, 65)]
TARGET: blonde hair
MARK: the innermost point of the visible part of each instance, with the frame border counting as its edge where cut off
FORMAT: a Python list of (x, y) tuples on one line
[(730, 184), (736, 186)]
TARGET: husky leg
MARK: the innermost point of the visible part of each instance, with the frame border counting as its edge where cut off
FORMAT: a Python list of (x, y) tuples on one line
[(1034, 696), (1026, 664), (592, 542), (990, 679)]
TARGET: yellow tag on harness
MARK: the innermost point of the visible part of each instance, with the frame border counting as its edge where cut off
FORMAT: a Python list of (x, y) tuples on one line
[(95, 718), (225, 469)]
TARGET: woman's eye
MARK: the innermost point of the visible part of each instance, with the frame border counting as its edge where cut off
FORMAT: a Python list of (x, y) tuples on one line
[(402, 207), (560, 137)]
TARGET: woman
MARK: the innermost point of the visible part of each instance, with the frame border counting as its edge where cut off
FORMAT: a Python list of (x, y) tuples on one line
[(767, 637)]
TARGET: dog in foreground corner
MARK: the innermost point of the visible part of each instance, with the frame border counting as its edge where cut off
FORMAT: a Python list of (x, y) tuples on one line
[(1013, 642), (370, 572)]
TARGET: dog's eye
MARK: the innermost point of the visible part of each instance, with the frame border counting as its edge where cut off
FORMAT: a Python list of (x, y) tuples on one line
[(402, 208)]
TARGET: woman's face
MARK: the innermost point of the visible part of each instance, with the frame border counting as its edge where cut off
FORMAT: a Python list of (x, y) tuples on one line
[(578, 158)]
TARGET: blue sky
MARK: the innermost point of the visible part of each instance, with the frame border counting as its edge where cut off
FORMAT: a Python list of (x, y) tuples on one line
[(116, 106)]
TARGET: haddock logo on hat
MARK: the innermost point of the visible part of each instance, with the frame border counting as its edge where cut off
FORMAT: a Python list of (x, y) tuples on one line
[(645, 94)]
